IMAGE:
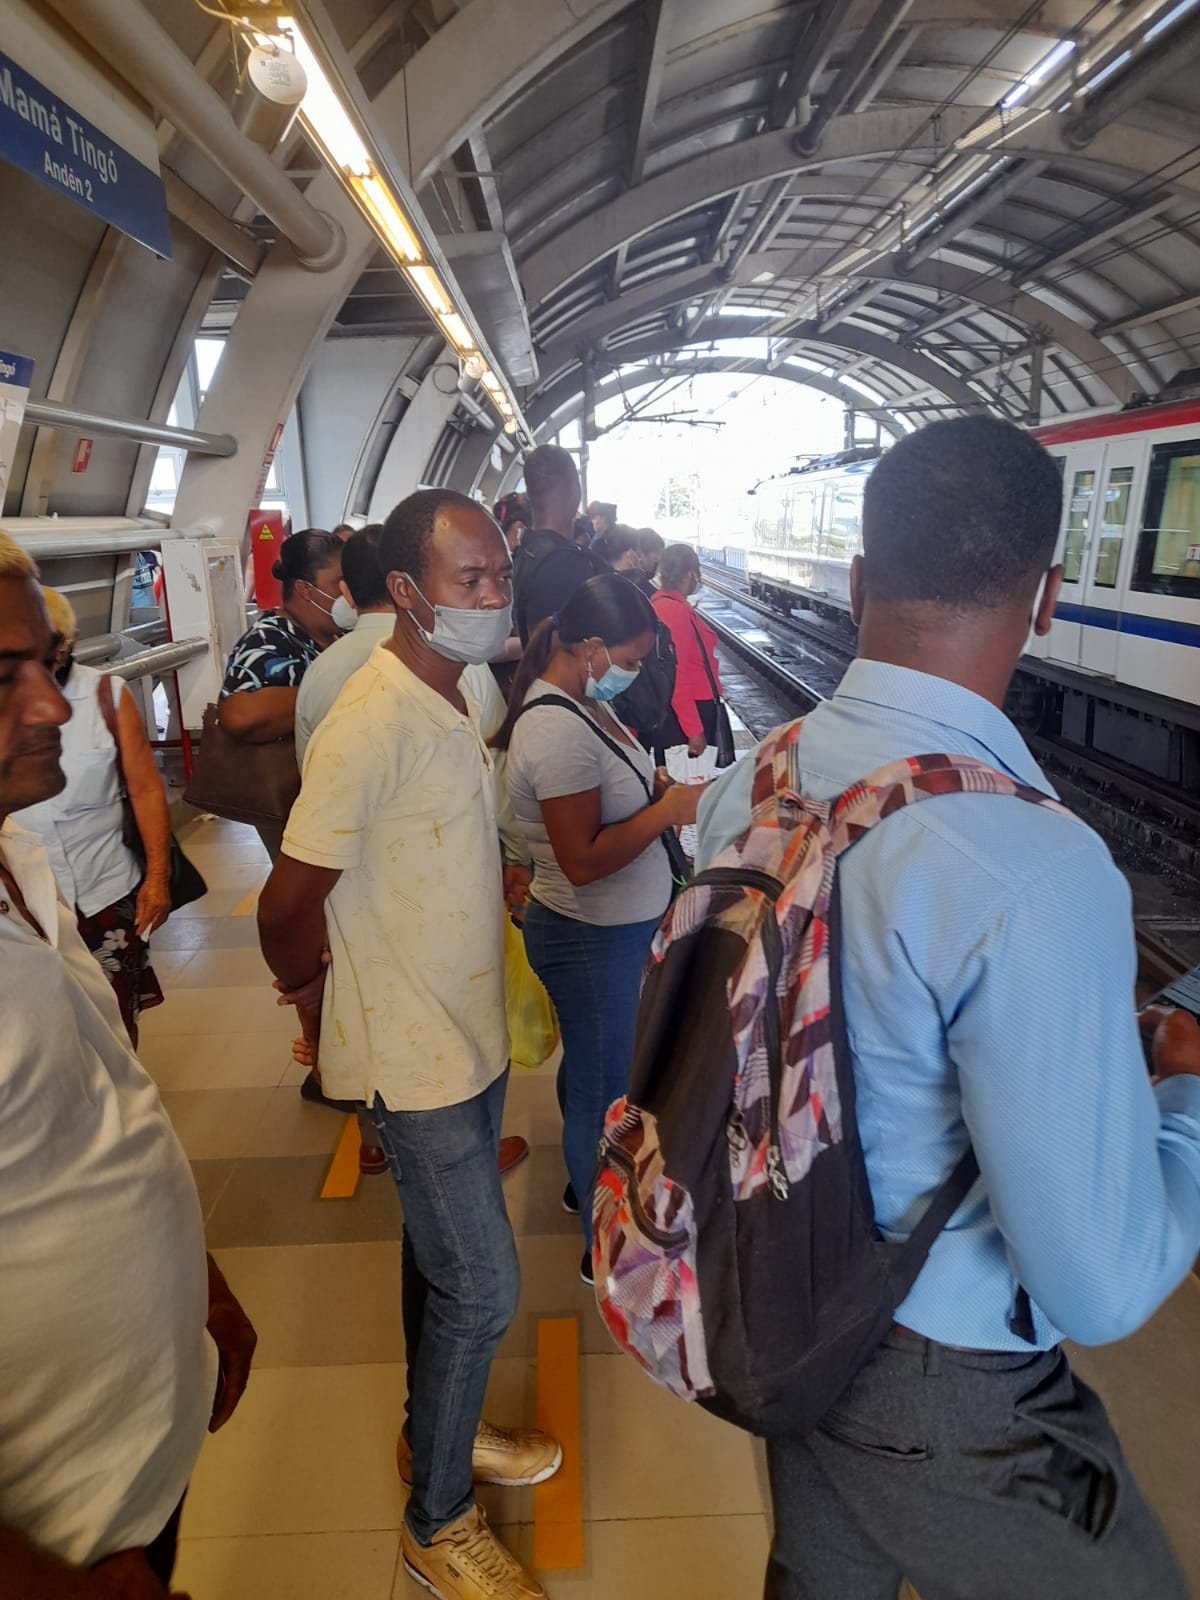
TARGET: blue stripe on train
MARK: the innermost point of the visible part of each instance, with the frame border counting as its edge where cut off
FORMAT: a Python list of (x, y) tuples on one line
[(1163, 628)]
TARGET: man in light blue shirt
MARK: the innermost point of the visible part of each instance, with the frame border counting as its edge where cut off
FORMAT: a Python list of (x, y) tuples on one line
[(988, 971)]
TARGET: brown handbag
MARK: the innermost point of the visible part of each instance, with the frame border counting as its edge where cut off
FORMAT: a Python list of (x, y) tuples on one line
[(243, 781)]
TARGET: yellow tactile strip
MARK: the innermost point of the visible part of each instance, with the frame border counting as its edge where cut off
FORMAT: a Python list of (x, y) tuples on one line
[(341, 1181), (558, 1503)]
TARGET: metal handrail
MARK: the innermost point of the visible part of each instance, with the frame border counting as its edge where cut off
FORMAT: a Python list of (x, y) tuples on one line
[(160, 658), (73, 419)]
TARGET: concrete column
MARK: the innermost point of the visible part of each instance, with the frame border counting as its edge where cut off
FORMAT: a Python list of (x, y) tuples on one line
[(281, 322)]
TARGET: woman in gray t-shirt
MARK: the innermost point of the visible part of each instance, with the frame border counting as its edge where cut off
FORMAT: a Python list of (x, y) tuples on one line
[(593, 811)]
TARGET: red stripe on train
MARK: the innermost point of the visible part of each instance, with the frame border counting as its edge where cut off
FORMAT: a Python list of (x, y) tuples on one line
[(1176, 414)]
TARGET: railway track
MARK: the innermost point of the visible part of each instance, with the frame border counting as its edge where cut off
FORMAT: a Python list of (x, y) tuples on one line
[(1152, 829)]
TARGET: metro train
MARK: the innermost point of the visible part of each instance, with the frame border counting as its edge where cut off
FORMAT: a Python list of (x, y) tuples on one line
[(1120, 668)]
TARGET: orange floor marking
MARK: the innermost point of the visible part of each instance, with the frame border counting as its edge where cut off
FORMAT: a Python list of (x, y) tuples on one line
[(342, 1178), (247, 903), (558, 1503)]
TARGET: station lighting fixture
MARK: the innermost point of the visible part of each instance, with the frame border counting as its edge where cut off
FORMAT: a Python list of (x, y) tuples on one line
[(335, 130), (1043, 69)]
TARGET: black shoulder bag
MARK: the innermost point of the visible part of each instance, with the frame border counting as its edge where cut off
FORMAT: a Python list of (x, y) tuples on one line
[(681, 867), (724, 727)]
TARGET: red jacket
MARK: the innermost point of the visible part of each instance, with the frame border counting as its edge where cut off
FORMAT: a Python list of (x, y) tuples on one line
[(691, 680)]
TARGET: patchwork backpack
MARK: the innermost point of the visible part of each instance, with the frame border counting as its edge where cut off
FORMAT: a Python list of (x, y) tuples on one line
[(735, 1249)]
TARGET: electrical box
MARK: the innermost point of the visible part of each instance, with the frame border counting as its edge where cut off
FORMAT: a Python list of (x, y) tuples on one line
[(203, 582)]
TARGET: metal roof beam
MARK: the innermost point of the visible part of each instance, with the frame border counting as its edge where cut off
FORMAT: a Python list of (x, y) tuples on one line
[(484, 179), (889, 59), (1085, 242), (651, 66), (967, 215), (722, 171), (885, 18), (1153, 66), (995, 294), (918, 330), (733, 215), (616, 271), (814, 44), (1173, 308)]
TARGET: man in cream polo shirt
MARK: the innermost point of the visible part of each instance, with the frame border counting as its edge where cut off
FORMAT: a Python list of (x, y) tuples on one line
[(392, 855), (108, 1377)]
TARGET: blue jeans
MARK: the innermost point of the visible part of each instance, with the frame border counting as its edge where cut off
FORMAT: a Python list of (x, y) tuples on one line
[(594, 976), (460, 1286)]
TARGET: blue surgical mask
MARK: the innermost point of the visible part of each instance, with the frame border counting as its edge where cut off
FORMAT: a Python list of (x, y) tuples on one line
[(612, 683), (463, 635)]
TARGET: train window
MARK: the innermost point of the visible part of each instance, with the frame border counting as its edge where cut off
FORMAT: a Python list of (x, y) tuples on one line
[(803, 507), (1079, 514), (1114, 514), (1168, 557), (846, 522)]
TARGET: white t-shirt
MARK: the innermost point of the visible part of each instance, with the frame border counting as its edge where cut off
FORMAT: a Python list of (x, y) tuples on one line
[(554, 753), (398, 794), (82, 827), (106, 1373)]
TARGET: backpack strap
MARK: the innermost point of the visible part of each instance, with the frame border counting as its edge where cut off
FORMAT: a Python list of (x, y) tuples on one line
[(712, 679), (676, 860), (566, 704), (902, 783)]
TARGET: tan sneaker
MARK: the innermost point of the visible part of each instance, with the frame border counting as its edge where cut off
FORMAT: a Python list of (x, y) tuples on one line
[(466, 1561), (514, 1458)]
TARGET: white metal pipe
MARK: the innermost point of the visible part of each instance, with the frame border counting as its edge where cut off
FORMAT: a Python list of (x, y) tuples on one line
[(140, 49), (159, 658), (46, 541), (71, 419)]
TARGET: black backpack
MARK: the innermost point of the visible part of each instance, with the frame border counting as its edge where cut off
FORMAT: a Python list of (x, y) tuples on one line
[(735, 1249), (538, 546), (646, 704)]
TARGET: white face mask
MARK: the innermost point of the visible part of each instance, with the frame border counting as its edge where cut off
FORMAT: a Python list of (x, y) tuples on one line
[(342, 614), (460, 635)]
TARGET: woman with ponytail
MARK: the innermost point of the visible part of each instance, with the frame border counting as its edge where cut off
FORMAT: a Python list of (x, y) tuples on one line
[(593, 811)]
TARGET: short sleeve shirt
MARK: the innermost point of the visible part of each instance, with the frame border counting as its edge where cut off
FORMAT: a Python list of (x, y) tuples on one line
[(553, 753), (399, 796), (273, 654), (108, 1372)]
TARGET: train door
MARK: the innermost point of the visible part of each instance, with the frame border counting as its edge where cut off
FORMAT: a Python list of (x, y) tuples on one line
[(1114, 529), (1080, 479)]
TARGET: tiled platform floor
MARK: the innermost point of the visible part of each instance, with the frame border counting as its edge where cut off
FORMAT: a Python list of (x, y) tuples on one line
[(298, 1499)]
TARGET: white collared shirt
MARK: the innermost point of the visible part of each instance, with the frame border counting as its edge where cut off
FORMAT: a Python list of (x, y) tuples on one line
[(399, 796), (106, 1372), (82, 827)]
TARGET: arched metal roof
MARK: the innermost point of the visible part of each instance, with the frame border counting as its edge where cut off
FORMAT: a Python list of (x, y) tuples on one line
[(955, 203), (992, 203)]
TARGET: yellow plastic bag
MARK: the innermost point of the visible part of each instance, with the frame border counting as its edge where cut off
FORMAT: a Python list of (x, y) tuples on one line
[(531, 1019)]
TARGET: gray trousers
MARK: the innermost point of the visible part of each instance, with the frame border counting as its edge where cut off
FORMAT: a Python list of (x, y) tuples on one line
[(974, 1477)]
